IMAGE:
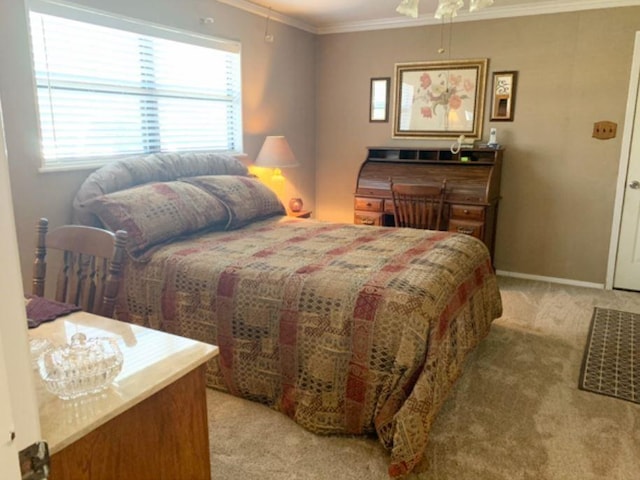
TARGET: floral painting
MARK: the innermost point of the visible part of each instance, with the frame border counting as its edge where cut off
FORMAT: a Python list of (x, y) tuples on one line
[(440, 99)]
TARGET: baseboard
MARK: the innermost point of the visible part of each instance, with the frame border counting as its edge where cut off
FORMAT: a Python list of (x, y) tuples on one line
[(540, 278)]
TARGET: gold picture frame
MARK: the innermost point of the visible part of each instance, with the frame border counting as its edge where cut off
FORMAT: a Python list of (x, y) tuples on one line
[(504, 95), (442, 99)]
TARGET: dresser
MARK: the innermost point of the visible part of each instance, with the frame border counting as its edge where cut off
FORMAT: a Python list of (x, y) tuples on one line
[(472, 192), (150, 423)]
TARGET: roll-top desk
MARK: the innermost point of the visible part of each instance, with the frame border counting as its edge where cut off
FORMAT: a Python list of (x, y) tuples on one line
[(472, 192)]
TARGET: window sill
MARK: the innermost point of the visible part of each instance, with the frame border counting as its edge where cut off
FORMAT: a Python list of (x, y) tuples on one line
[(243, 157)]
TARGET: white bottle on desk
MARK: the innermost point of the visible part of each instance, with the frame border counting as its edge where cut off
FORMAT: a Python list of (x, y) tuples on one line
[(493, 142)]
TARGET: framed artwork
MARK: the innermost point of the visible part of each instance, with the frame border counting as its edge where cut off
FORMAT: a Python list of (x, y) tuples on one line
[(379, 99), (504, 94), (440, 99)]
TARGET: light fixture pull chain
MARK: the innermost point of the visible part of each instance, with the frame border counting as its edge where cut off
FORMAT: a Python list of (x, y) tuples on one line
[(450, 35), (268, 37), (441, 49), (448, 74)]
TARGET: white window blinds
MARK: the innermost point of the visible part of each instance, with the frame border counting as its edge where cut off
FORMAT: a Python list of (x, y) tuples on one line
[(106, 91)]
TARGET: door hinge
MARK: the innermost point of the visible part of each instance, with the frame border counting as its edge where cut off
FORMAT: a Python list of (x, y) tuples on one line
[(34, 461)]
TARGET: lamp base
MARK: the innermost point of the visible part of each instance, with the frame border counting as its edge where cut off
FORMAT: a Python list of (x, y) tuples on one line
[(295, 204)]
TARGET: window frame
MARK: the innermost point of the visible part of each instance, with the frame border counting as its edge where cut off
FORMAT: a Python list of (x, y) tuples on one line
[(138, 26)]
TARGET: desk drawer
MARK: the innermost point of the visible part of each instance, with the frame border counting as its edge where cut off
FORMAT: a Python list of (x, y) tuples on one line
[(469, 212), (369, 204), (469, 227), (366, 218)]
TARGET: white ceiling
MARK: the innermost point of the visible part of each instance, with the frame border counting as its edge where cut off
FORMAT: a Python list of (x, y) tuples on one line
[(333, 16)]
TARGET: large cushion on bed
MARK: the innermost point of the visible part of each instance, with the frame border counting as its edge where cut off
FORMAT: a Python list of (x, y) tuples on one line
[(246, 198), (155, 213), (140, 169)]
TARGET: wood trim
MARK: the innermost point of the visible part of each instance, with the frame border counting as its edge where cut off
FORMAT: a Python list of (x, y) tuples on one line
[(165, 436)]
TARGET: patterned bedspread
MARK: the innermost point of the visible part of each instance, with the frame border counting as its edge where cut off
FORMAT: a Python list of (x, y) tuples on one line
[(346, 329)]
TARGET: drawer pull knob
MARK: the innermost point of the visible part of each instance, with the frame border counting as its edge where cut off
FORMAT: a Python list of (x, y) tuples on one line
[(368, 204), (367, 221), (466, 211), (468, 231)]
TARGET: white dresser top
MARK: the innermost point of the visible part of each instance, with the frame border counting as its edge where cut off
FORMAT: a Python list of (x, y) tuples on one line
[(152, 360)]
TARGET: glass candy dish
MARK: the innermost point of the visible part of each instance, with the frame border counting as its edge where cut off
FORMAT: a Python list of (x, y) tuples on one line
[(37, 346), (81, 367)]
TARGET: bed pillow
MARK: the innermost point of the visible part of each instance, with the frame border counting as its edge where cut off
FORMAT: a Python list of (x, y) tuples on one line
[(141, 169), (247, 198), (155, 213)]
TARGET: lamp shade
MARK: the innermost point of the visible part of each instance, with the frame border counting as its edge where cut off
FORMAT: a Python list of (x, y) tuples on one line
[(276, 153), (478, 4), (448, 8), (408, 8)]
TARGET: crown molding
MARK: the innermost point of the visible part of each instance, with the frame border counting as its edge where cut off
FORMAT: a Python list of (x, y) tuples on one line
[(271, 14), (489, 13), (399, 21)]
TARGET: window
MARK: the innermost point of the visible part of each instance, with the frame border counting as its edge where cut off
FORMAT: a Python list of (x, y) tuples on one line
[(109, 86)]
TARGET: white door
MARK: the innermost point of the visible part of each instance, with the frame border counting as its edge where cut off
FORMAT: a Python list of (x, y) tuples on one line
[(9, 465), (18, 405), (627, 252)]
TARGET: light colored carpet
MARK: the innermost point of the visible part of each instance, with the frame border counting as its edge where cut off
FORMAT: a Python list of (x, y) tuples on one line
[(515, 413)]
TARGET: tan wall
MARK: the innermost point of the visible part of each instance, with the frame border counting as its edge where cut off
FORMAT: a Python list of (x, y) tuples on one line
[(278, 88), (558, 183)]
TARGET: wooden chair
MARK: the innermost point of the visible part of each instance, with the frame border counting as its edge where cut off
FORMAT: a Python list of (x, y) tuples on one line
[(418, 205), (89, 275)]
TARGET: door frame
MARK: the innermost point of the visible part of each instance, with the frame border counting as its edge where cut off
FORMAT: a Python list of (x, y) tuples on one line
[(625, 152), (20, 385)]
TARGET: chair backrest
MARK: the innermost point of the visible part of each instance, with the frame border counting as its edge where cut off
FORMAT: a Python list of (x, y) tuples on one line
[(418, 205), (91, 263)]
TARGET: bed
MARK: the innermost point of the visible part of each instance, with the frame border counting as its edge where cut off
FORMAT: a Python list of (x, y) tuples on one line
[(347, 329)]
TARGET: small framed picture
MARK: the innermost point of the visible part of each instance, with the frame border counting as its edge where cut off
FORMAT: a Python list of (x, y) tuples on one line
[(504, 94), (379, 100)]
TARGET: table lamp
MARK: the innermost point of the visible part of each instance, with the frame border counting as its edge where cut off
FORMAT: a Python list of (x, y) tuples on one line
[(276, 153)]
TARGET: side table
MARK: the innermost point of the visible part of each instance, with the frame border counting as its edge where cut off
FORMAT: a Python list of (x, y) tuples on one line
[(150, 423)]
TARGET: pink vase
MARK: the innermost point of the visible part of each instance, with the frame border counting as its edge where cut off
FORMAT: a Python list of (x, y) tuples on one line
[(295, 204)]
